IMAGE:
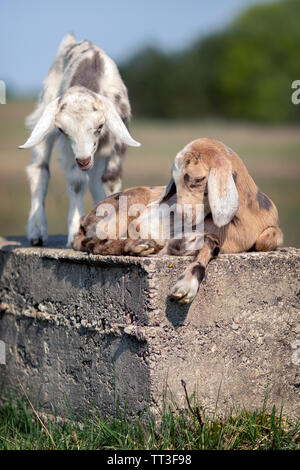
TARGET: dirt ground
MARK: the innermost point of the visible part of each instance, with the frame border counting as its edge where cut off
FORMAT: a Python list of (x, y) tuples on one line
[(271, 153)]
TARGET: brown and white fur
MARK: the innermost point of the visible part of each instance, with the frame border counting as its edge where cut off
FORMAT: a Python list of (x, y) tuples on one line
[(238, 217), (85, 107)]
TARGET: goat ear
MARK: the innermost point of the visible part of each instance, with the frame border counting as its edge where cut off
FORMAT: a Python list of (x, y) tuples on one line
[(169, 191), (116, 125), (44, 125), (223, 196)]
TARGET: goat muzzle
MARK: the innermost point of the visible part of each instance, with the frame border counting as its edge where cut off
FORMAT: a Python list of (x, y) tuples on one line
[(84, 163)]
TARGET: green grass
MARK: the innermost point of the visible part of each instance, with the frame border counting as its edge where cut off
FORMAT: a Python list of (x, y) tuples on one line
[(23, 428)]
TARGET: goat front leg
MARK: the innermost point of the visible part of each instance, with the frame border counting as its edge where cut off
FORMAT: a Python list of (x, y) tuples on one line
[(187, 286), (142, 247), (95, 180), (112, 176), (38, 176), (76, 186)]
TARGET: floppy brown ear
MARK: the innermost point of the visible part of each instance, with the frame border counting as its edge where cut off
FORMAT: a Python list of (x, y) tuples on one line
[(223, 196), (169, 191)]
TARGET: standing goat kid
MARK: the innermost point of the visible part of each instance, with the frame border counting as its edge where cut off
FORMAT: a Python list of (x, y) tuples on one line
[(237, 216), (85, 107)]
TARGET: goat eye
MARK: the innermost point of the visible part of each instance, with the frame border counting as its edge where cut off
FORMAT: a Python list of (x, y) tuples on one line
[(61, 130), (98, 130)]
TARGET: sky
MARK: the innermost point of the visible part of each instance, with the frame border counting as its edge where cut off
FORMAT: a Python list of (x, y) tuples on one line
[(31, 30)]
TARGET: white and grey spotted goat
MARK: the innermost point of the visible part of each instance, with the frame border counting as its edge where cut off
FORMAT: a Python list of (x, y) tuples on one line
[(85, 107)]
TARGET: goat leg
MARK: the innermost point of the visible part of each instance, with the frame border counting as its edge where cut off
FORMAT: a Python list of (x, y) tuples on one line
[(186, 288)]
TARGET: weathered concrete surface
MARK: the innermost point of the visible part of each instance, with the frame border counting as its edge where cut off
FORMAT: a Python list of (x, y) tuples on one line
[(80, 328)]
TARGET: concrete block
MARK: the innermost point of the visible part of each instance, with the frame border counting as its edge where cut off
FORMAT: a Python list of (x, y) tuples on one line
[(80, 329)]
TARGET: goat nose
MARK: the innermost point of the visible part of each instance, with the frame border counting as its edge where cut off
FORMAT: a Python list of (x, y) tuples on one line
[(83, 162)]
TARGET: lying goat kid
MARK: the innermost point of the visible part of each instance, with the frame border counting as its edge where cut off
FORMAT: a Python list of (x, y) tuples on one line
[(85, 106), (237, 216)]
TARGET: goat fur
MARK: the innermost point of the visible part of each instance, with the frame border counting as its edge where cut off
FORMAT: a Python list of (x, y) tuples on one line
[(85, 108), (237, 216)]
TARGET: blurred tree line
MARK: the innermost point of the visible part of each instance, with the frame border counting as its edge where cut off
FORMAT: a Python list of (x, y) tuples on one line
[(242, 72)]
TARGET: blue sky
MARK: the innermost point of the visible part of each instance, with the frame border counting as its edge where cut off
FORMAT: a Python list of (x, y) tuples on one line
[(31, 30)]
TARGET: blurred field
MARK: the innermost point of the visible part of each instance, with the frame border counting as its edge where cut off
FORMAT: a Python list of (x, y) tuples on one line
[(271, 153)]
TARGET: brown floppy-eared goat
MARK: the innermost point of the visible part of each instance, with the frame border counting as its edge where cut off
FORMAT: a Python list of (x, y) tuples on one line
[(236, 215)]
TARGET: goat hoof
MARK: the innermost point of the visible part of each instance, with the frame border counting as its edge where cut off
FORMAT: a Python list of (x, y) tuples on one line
[(177, 295), (37, 241), (181, 298), (184, 291), (138, 249), (144, 248), (185, 301)]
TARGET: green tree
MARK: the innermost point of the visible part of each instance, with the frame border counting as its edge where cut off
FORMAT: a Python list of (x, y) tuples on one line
[(242, 72), (260, 61)]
